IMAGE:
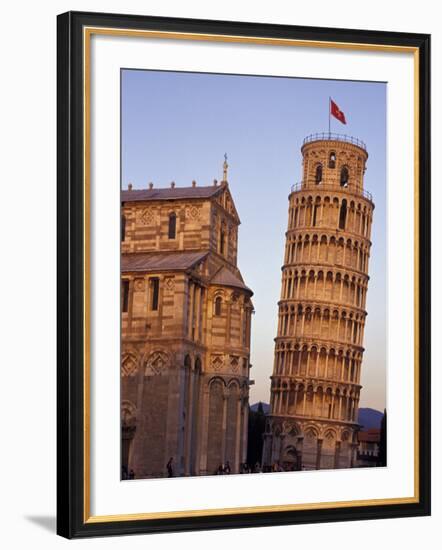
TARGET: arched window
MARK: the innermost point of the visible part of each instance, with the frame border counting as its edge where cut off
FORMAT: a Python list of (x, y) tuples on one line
[(315, 214), (123, 227), (125, 295), (154, 293), (332, 160), (343, 214), (344, 176), (218, 303), (244, 328), (172, 225), (222, 240), (318, 174), (198, 365)]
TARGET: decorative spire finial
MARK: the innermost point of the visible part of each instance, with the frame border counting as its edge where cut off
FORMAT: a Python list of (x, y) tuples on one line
[(225, 166)]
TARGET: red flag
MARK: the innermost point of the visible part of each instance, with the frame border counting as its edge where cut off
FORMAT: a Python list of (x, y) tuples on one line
[(336, 112)]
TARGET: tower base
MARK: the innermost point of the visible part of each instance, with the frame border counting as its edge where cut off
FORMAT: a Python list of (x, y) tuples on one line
[(295, 444)]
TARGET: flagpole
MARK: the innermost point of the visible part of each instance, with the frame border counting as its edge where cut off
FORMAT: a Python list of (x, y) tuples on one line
[(329, 105)]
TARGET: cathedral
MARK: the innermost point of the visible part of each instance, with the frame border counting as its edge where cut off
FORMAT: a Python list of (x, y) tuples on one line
[(315, 386), (185, 322)]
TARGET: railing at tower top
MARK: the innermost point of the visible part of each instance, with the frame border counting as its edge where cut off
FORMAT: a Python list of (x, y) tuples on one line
[(334, 137), (302, 186)]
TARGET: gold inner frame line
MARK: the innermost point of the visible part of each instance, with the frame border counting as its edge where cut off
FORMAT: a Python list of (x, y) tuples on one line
[(87, 34)]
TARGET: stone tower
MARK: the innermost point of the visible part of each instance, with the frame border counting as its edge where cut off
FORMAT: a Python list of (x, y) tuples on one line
[(315, 385), (186, 323)]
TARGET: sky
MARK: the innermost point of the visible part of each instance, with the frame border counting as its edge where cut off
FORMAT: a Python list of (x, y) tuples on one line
[(177, 126)]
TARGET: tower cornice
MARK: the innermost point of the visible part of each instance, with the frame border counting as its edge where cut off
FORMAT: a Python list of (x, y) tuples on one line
[(308, 187), (322, 305), (328, 232), (318, 343), (321, 266)]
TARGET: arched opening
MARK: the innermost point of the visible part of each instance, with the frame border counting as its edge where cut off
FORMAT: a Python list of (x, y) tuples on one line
[(186, 413), (233, 421), (344, 177), (195, 416), (344, 452), (218, 306), (332, 160), (289, 287), (329, 402), (318, 174), (300, 395), (222, 240), (215, 426), (352, 371), (123, 227), (291, 459), (172, 225), (154, 283), (343, 214), (125, 295), (328, 286), (309, 450), (315, 214), (308, 211), (328, 450), (156, 387)]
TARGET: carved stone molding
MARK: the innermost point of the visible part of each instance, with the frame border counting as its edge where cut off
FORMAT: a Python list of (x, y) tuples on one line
[(169, 282), (139, 284), (156, 363), (193, 212), (234, 363), (217, 362), (146, 216), (129, 366)]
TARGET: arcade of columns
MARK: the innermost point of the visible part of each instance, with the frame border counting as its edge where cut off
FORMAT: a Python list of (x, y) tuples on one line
[(315, 386)]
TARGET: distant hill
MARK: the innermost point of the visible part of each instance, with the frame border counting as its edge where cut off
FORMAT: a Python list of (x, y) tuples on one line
[(265, 407), (369, 418)]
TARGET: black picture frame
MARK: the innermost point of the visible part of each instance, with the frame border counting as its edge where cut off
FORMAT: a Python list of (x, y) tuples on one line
[(71, 518)]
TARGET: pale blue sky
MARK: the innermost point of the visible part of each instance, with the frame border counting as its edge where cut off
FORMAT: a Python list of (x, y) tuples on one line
[(177, 127)]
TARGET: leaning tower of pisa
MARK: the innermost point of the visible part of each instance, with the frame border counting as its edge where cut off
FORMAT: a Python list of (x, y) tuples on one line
[(315, 385)]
